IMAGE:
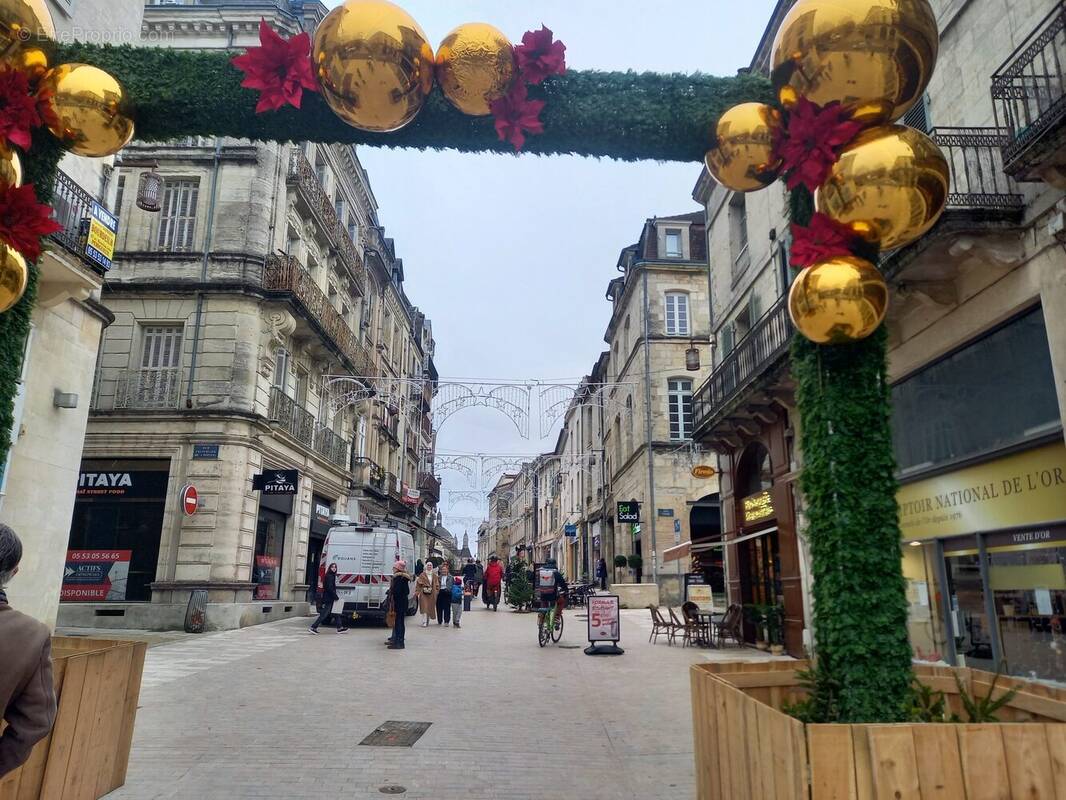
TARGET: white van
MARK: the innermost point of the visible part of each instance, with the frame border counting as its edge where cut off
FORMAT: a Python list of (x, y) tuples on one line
[(364, 555)]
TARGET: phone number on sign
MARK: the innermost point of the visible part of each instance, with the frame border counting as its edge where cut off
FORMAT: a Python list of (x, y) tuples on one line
[(97, 555)]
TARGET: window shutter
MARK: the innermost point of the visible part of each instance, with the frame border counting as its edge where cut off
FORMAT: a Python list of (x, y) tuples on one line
[(726, 337), (753, 308), (918, 116)]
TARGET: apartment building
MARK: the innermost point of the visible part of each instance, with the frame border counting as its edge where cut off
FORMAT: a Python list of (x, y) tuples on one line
[(264, 354)]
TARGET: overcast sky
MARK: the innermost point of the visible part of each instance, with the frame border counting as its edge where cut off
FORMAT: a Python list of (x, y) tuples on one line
[(510, 257)]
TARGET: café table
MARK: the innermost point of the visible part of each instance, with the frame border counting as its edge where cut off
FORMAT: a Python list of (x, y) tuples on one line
[(707, 620)]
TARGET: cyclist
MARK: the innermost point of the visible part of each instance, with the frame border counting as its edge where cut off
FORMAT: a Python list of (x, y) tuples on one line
[(550, 587)]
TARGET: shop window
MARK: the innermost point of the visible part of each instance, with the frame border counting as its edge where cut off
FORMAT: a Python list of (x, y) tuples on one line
[(269, 547), (997, 392), (679, 406), (1029, 592)]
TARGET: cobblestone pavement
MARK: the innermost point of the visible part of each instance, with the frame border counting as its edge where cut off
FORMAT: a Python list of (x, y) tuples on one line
[(271, 712)]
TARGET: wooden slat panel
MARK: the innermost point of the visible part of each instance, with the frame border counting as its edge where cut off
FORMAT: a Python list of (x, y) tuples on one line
[(763, 679), (832, 773), (704, 733), (758, 750), (107, 730), (79, 770), (984, 763), (1056, 745), (771, 771), (725, 762), (9, 785), (939, 763), (895, 765), (864, 767), (32, 773), (55, 774), (737, 736), (129, 715), (1028, 761)]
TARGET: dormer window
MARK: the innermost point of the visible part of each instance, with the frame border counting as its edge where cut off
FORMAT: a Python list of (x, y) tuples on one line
[(672, 237)]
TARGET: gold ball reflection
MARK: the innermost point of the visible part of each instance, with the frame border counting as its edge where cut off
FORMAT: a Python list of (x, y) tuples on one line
[(475, 65), (10, 169), (838, 301), (373, 63), (23, 21), (90, 108), (874, 56), (32, 59), (889, 186), (743, 160), (14, 275)]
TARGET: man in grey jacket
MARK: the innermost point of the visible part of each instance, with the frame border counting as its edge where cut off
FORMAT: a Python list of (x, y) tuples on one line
[(27, 694)]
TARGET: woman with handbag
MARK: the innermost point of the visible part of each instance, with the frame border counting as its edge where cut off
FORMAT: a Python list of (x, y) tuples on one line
[(427, 584)]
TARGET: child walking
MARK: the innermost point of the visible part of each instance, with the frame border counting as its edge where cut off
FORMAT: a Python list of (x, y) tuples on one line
[(457, 601)]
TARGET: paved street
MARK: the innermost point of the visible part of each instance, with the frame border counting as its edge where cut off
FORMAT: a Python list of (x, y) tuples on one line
[(271, 712)]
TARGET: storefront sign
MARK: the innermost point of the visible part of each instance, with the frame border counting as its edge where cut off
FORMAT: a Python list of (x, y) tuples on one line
[(205, 451), (322, 512), (758, 507), (628, 511), (603, 618), (189, 499), (277, 481), (95, 575), (703, 471), (1018, 490), (570, 530), (122, 484), (100, 237)]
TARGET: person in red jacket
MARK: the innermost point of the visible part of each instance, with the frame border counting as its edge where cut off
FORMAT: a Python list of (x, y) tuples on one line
[(493, 581)]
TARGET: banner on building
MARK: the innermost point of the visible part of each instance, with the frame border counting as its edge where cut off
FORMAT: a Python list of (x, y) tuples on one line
[(604, 616), (95, 575)]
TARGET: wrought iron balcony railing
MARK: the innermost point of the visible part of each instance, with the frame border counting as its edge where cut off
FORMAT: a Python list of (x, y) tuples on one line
[(1029, 95), (331, 445), (72, 205), (369, 475), (284, 274), (975, 158), (429, 485), (303, 175), (393, 487), (140, 389), (293, 418), (763, 346)]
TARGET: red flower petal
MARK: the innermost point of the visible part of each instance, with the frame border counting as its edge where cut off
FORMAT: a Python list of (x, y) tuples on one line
[(279, 68), (540, 55), (18, 108), (822, 239), (812, 141), (23, 221), (516, 115)]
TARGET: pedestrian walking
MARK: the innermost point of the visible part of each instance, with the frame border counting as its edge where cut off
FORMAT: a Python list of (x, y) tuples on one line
[(27, 694), (493, 580), (479, 578), (426, 586), (457, 600), (469, 573), (601, 573), (326, 598), (444, 596), (399, 592)]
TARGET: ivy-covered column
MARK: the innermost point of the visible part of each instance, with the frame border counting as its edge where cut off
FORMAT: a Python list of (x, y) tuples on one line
[(863, 671)]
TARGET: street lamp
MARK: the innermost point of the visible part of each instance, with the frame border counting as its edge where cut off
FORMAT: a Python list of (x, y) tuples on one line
[(692, 357)]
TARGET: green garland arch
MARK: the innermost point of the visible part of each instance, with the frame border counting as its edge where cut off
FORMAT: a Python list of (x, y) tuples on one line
[(860, 617)]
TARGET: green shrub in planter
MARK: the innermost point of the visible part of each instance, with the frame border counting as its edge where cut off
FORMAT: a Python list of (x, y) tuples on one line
[(620, 562), (635, 562)]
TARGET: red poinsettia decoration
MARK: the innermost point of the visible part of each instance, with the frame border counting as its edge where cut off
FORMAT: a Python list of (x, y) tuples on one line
[(23, 221), (516, 115), (279, 68), (810, 144), (44, 108), (822, 239), (18, 108), (540, 55)]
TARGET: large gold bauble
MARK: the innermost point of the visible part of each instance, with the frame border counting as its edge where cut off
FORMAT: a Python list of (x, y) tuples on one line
[(10, 169), (31, 59), (838, 301), (14, 274), (874, 56), (475, 65), (743, 159), (90, 107), (890, 186), (373, 63), (22, 22)]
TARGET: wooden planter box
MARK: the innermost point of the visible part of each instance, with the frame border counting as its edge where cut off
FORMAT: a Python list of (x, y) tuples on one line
[(98, 683), (747, 749)]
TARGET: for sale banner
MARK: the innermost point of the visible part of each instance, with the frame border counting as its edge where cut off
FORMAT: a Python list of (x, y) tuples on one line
[(95, 575), (603, 618)]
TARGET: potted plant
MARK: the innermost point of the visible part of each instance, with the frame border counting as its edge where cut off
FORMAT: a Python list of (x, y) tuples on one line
[(620, 562), (775, 628), (756, 614), (635, 564)]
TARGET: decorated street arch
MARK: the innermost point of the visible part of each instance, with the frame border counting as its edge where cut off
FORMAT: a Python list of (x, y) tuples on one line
[(842, 72)]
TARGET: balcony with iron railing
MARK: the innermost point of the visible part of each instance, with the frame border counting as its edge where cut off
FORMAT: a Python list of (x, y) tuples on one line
[(303, 176), (285, 276), (369, 475), (138, 389), (291, 417), (1029, 95), (429, 485), (72, 207), (332, 446), (758, 354), (393, 487)]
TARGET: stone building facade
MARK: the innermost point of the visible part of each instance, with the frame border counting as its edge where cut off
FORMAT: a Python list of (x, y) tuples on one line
[(261, 326), (37, 483)]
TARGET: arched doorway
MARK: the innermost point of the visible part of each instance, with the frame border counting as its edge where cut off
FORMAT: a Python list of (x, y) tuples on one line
[(708, 553)]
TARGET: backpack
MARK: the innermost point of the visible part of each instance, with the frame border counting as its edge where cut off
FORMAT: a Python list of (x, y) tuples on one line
[(457, 593), (545, 580)]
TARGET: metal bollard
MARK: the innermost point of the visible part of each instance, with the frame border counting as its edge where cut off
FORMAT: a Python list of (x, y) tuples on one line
[(196, 613)]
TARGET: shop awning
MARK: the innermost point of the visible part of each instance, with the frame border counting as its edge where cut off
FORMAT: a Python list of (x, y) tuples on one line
[(677, 552), (701, 546)]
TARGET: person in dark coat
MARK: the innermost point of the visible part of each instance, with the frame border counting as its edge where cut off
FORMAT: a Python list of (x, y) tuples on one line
[(327, 597), (601, 573), (399, 596)]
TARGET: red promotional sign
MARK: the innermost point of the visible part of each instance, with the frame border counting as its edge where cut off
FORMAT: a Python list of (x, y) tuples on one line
[(189, 500), (95, 575)]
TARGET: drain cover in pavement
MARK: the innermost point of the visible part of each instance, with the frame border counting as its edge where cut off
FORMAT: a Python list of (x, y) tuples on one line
[(392, 790), (395, 733)]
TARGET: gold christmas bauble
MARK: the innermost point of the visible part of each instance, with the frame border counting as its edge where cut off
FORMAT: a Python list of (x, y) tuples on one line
[(743, 159), (373, 63), (838, 301), (14, 275), (90, 108), (22, 22), (874, 56), (32, 59), (10, 169), (890, 186), (475, 65)]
